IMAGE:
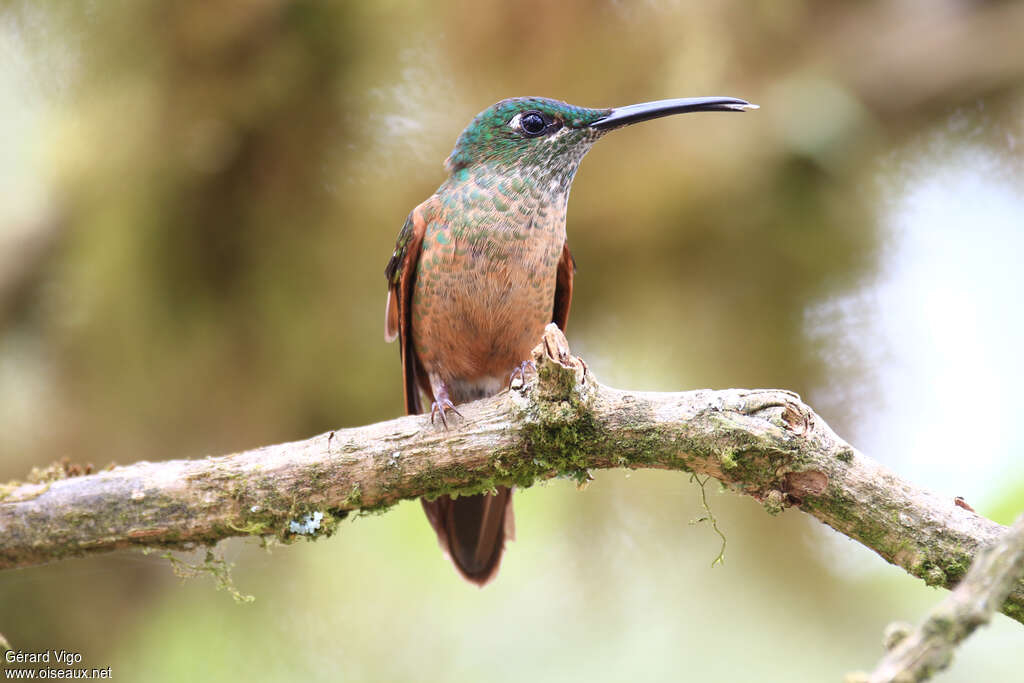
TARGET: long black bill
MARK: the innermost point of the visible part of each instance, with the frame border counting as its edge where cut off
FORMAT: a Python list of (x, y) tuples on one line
[(635, 113)]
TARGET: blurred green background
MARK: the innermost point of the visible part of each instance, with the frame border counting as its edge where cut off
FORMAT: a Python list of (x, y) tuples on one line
[(197, 200)]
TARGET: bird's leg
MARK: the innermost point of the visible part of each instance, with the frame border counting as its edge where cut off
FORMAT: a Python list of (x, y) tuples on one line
[(520, 372), (442, 404)]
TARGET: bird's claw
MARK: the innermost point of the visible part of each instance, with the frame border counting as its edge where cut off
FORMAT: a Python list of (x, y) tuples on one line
[(520, 372), (442, 407)]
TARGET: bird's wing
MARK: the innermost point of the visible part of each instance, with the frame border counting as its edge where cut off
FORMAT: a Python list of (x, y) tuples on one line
[(401, 276), (563, 288)]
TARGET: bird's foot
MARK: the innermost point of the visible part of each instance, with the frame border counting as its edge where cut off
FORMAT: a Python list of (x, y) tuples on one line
[(441, 406), (520, 373)]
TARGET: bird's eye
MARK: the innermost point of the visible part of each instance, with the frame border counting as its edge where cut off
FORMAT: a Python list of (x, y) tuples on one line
[(532, 123)]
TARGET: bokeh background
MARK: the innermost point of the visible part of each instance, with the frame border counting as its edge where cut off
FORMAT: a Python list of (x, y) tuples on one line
[(197, 200)]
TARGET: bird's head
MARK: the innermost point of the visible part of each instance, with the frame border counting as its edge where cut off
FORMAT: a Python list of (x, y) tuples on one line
[(525, 133)]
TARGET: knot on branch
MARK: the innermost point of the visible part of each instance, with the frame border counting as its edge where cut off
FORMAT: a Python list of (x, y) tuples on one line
[(801, 484), (561, 376), (797, 418)]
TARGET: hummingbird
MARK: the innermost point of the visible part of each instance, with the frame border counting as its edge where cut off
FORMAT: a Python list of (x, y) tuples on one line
[(482, 266)]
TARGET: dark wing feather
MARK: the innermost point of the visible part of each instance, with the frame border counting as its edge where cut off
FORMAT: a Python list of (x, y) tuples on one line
[(563, 288), (401, 276)]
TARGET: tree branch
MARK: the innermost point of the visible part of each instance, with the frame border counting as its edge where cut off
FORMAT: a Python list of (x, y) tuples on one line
[(916, 656), (763, 443)]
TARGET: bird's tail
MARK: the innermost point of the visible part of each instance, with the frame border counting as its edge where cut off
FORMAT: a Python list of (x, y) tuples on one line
[(472, 531)]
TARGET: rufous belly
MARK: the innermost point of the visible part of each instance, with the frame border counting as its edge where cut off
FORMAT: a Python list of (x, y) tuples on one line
[(478, 312)]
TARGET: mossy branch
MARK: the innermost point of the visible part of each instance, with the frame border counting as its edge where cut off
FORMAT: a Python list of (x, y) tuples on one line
[(763, 443)]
